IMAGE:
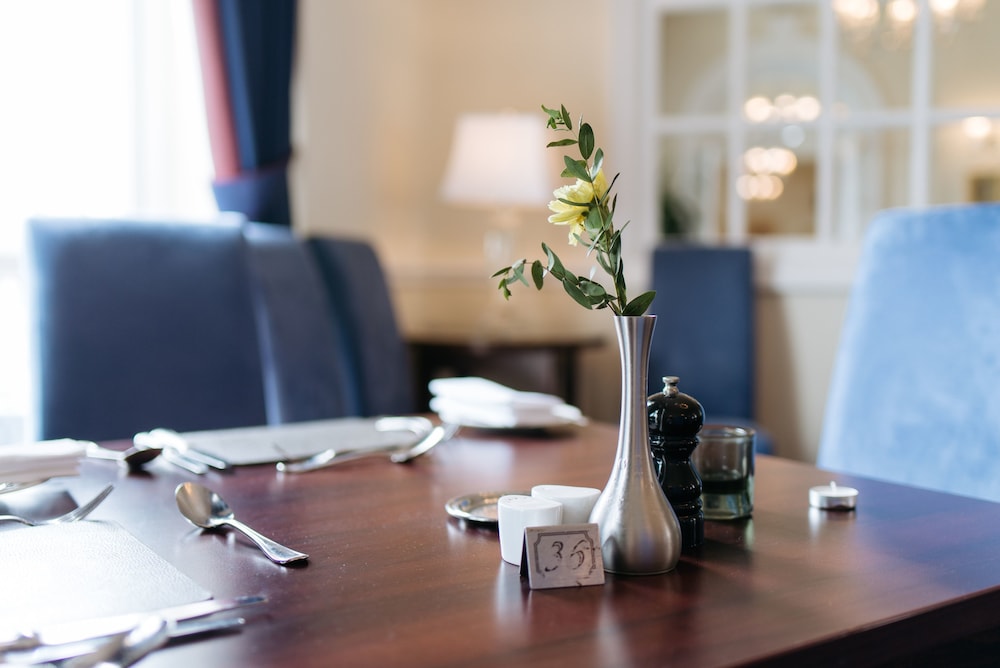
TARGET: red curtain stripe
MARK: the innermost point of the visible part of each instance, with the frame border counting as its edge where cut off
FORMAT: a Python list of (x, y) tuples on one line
[(221, 128)]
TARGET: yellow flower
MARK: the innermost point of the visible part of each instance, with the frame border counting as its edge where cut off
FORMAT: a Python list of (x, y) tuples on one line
[(569, 214)]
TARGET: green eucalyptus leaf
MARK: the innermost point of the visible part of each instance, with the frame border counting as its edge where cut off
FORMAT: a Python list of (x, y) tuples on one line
[(518, 272), (611, 186), (594, 222), (567, 121), (598, 161), (500, 272), (576, 293), (572, 203), (577, 168), (555, 265), (586, 141), (605, 264), (504, 290), (639, 305), (561, 142), (537, 274), (592, 289)]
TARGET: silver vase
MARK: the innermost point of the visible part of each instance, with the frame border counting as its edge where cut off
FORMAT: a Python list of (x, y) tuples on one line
[(640, 534)]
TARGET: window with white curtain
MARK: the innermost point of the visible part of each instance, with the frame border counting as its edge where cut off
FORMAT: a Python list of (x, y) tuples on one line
[(102, 116)]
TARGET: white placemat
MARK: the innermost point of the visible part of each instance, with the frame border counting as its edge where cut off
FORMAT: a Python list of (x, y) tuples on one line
[(262, 445), (66, 572)]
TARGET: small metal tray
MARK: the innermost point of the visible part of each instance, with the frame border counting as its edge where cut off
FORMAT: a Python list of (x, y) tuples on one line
[(480, 507)]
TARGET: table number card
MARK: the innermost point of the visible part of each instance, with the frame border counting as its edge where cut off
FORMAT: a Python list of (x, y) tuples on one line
[(562, 555)]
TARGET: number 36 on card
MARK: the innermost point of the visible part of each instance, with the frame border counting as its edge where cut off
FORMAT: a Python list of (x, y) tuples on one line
[(563, 555)]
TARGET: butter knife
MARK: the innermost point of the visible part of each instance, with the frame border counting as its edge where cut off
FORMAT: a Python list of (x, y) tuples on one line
[(94, 651), (89, 629), (170, 440)]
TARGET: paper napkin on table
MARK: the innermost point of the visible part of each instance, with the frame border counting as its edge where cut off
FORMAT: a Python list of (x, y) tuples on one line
[(30, 462), (481, 402), (81, 570)]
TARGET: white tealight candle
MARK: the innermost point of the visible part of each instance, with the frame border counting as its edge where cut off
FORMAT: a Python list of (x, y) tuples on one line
[(833, 497), (517, 511), (577, 502)]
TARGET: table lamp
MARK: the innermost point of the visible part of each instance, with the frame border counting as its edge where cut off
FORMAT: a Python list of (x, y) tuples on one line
[(498, 162)]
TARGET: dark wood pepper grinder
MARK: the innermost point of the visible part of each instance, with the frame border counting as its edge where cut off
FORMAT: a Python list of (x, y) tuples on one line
[(674, 422)]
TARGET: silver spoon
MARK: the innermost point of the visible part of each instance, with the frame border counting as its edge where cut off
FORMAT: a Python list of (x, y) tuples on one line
[(333, 456), (438, 434), (206, 509), (134, 458)]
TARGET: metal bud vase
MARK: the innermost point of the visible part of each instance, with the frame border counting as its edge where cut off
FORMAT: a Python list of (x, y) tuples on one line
[(640, 534)]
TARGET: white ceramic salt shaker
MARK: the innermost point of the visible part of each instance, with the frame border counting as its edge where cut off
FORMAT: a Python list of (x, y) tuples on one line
[(515, 512)]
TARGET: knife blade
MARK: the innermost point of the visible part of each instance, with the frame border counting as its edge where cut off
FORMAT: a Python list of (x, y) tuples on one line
[(87, 629), (170, 439), (179, 459), (91, 651)]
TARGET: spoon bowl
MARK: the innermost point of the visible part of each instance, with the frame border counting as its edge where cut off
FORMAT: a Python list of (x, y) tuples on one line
[(439, 434), (204, 508), (397, 455), (134, 458)]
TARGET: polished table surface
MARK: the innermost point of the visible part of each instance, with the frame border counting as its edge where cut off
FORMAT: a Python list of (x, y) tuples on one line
[(393, 580)]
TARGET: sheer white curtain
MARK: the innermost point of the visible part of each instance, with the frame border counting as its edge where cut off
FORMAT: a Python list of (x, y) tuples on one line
[(101, 115)]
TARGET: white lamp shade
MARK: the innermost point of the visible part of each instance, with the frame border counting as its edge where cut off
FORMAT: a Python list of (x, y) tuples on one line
[(499, 160)]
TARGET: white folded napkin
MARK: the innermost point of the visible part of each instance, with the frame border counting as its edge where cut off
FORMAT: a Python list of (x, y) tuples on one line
[(480, 402), (30, 462)]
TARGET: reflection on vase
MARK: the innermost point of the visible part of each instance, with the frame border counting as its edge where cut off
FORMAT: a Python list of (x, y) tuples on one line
[(640, 534)]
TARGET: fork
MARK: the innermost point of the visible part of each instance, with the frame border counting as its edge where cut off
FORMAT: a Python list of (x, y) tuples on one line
[(72, 516), (396, 454)]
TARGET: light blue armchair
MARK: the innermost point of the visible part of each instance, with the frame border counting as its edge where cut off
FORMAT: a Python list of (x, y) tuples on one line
[(915, 392)]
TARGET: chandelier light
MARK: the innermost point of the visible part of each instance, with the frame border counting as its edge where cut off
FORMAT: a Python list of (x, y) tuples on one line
[(892, 20)]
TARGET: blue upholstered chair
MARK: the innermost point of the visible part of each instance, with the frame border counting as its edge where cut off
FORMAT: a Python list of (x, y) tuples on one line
[(705, 332), (915, 391), (308, 367), (141, 325), (360, 301)]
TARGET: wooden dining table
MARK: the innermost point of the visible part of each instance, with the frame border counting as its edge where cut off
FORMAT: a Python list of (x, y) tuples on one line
[(911, 577)]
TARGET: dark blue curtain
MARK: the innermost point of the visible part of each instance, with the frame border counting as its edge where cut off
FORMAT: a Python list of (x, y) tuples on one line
[(256, 40)]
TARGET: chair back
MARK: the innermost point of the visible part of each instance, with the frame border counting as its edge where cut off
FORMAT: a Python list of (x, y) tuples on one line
[(705, 330), (307, 361), (914, 396), (360, 300), (141, 325)]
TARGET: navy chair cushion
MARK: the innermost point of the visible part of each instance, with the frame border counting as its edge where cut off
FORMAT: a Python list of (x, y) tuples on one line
[(306, 356), (141, 325), (360, 300), (705, 330), (914, 396)]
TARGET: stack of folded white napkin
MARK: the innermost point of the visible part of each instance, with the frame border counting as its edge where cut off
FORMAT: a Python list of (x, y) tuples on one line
[(483, 403), (31, 462)]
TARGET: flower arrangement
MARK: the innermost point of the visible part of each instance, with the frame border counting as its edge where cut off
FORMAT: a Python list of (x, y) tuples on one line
[(588, 208)]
